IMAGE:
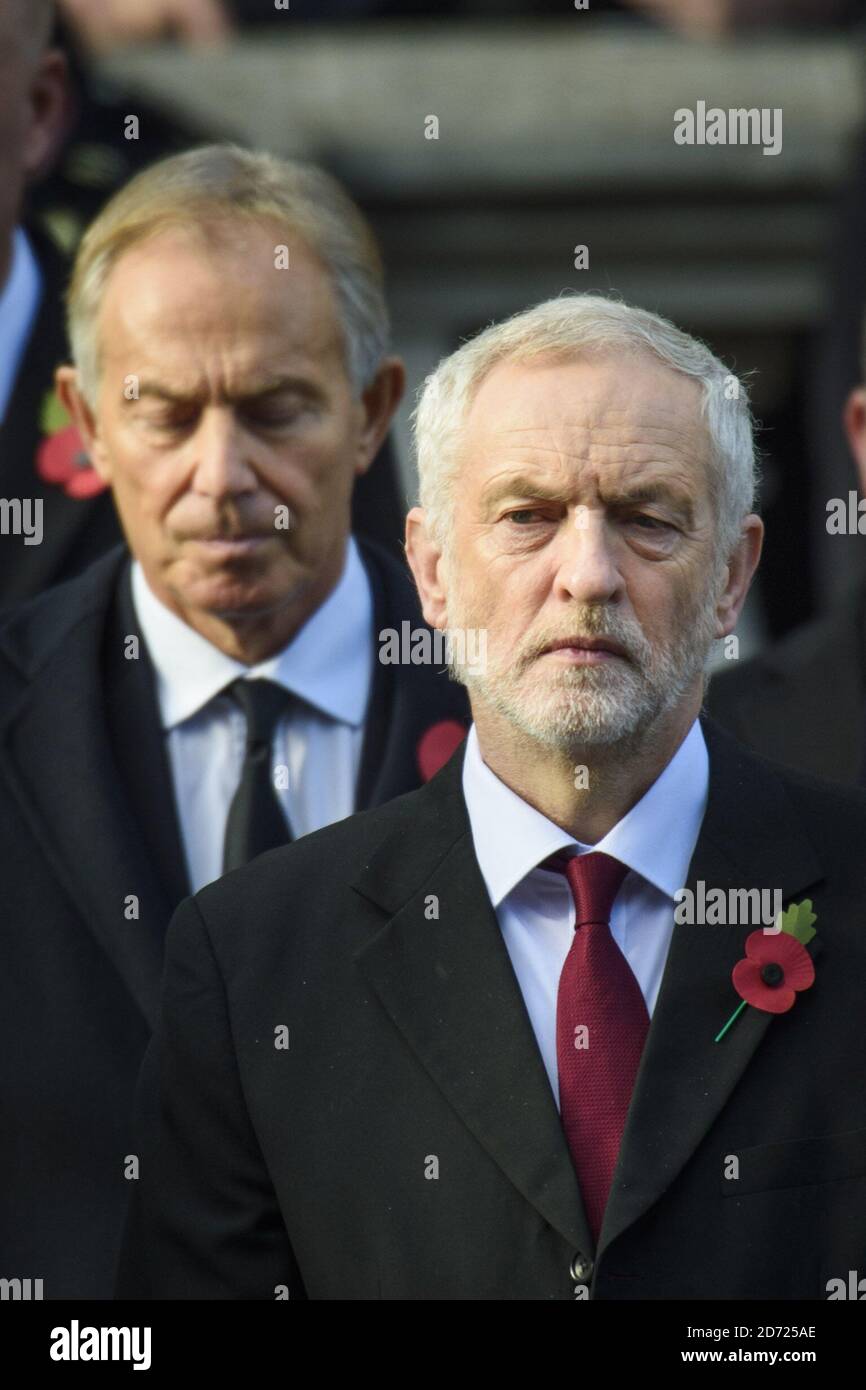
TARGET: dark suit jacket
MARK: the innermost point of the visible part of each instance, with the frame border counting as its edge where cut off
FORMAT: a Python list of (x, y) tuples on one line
[(76, 530), (87, 821), (305, 1167), (803, 702)]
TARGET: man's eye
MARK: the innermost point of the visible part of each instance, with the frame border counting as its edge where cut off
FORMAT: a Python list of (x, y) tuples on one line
[(523, 512), (273, 419), (651, 523), (275, 416), (170, 424)]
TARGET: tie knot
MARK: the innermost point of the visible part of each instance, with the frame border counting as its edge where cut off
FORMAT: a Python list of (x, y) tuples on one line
[(594, 879), (262, 702)]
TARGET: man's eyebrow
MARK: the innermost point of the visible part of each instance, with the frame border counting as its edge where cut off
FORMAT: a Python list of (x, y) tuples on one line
[(653, 492), (155, 390), (522, 485)]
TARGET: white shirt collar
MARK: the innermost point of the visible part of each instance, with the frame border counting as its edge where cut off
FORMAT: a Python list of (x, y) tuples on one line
[(328, 663), (656, 838), (19, 303)]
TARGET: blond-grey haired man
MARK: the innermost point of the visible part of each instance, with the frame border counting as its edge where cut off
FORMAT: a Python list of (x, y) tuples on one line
[(546, 1042), (214, 688)]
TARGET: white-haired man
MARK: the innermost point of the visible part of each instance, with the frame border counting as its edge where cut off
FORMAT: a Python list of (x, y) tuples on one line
[(506, 1049), (176, 710)]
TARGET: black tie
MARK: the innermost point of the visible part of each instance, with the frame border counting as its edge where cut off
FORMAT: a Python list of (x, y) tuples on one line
[(256, 821)]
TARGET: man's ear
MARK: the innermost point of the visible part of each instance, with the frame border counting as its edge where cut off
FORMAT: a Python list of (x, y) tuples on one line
[(50, 113), (82, 415), (738, 575), (426, 564), (379, 402)]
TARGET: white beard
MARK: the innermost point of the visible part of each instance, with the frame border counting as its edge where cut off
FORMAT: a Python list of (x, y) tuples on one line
[(570, 707)]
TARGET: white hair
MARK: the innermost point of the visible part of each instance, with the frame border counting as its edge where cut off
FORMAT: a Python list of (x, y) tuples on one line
[(575, 326)]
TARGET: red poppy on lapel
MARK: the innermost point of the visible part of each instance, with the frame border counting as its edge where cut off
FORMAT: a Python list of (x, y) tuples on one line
[(436, 745), (61, 460), (774, 970)]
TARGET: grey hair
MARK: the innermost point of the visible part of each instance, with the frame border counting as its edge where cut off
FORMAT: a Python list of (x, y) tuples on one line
[(574, 326), (224, 183)]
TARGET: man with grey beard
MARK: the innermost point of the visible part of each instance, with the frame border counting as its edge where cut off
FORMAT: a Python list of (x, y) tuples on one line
[(468, 1045)]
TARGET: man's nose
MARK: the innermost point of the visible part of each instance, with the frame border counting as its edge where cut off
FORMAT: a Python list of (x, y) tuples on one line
[(221, 464), (587, 569)]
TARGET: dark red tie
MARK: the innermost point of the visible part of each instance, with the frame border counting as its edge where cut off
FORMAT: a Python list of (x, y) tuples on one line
[(601, 1028)]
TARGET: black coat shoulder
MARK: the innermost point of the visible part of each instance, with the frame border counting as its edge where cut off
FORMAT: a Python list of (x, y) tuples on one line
[(803, 702)]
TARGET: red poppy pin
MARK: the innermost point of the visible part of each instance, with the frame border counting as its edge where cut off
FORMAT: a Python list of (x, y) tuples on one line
[(776, 966), (436, 745), (61, 459)]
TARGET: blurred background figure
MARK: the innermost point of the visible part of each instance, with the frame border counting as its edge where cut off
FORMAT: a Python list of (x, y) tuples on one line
[(720, 18), (101, 24), (34, 117), (803, 701)]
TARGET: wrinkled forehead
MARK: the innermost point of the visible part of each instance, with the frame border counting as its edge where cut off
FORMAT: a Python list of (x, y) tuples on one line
[(192, 312), (180, 288), (615, 414)]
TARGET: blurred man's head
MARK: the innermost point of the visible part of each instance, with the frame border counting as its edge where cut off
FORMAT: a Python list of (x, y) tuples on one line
[(32, 105), (229, 333), (587, 477)]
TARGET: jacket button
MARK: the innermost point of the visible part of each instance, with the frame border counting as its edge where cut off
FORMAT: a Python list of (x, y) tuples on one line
[(581, 1267)]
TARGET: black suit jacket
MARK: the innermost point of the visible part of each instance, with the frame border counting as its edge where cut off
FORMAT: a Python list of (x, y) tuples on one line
[(306, 1167), (76, 531), (803, 702), (87, 823)]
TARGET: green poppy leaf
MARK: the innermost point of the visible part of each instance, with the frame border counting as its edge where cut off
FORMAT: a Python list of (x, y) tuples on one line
[(797, 921), (52, 417)]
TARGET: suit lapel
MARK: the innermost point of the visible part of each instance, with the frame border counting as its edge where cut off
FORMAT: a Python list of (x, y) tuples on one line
[(64, 776), (751, 837), (450, 990), (139, 745)]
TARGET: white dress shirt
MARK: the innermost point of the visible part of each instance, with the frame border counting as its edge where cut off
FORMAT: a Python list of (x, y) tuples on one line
[(328, 663), (534, 906), (19, 304)]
